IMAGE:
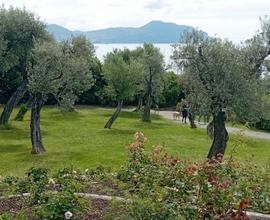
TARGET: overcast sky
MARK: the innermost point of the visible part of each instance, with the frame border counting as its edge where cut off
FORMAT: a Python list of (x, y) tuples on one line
[(236, 20)]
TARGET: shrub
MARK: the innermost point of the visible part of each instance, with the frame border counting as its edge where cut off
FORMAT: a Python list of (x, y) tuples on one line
[(164, 186), (55, 206), (263, 124)]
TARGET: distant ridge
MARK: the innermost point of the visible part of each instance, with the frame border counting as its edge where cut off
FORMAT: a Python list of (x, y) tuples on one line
[(152, 32)]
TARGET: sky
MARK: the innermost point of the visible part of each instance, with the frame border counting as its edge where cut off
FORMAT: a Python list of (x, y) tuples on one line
[(236, 20)]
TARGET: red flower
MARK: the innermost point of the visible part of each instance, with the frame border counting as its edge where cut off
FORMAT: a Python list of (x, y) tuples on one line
[(213, 180), (244, 204)]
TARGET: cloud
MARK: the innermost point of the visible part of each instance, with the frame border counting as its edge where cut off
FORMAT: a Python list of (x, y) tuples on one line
[(233, 19), (156, 4)]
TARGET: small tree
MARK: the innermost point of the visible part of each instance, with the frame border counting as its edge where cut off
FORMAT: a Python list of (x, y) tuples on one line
[(121, 73), (215, 70), (152, 80), (61, 70), (18, 31)]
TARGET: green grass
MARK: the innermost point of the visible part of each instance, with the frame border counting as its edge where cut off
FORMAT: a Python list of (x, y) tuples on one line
[(78, 139)]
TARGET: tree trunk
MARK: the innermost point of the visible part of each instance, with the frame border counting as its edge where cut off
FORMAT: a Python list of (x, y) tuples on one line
[(140, 104), (37, 146), (146, 117), (12, 102), (221, 136), (210, 130), (147, 109), (191, 120), (115, 115), (23, 110)]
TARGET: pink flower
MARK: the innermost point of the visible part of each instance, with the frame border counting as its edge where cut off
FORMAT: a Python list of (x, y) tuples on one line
[(225, 184), (192, 169)]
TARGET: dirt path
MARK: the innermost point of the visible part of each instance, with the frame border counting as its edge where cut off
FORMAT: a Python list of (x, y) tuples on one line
[(246, 132)]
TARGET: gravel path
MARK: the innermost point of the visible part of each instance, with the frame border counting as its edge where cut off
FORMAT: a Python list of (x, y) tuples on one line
[(246, 132)]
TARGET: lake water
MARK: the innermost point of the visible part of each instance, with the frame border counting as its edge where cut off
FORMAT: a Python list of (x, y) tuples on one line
[(103, 49)]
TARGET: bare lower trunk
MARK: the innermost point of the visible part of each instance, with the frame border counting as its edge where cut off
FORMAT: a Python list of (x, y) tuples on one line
[(37, 145), (146, 111), (191, 120), (221, 136), (140, 104), (23, 110), (12, 102), (210, 130), (115, 115), (146, 117)]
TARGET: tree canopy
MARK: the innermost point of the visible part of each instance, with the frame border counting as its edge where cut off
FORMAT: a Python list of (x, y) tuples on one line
[(215, 72)]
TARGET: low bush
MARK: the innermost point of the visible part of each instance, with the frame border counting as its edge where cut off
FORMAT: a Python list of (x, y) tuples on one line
[(164, 187)]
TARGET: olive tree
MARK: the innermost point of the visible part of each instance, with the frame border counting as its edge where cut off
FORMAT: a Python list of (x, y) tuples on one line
[(61, 70), (122, 74), (215, 70), (18, 31), (152, 77)]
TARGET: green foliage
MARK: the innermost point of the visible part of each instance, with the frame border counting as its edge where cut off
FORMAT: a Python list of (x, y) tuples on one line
[(19, 29), (62, 70), (172, 90), (122, 74), (263, 124), (57, 205), (5, 216), (217, 76), (92, 95), (153, 69)]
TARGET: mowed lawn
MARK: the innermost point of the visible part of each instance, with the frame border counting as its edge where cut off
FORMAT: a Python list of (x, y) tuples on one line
[(79, 140)]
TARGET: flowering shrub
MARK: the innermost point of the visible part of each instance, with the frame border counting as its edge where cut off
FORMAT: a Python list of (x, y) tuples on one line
[(164, 187)]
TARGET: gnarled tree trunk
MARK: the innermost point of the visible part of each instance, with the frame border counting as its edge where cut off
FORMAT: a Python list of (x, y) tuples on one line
[(20, 115), (147, 109), (146, 117), (191, 120), (12, 102), (221, 136), (36, 139), (140, 104), (115, 114)]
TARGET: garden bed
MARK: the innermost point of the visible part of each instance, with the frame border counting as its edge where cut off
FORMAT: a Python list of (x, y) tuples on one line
[(156, 186)]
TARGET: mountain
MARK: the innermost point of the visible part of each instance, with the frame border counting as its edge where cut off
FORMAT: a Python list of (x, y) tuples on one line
[(152, 32)]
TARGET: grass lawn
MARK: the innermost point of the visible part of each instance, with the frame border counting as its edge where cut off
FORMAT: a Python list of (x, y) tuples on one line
[(78, 139)]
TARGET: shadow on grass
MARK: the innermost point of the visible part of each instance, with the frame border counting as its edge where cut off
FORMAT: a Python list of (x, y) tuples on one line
[(117, 131), (11, 148), (130, 115), (123, 114), (13, 133), (59, 115)]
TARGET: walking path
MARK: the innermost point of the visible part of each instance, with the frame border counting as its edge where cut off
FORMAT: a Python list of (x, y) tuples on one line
[(246, 132)]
